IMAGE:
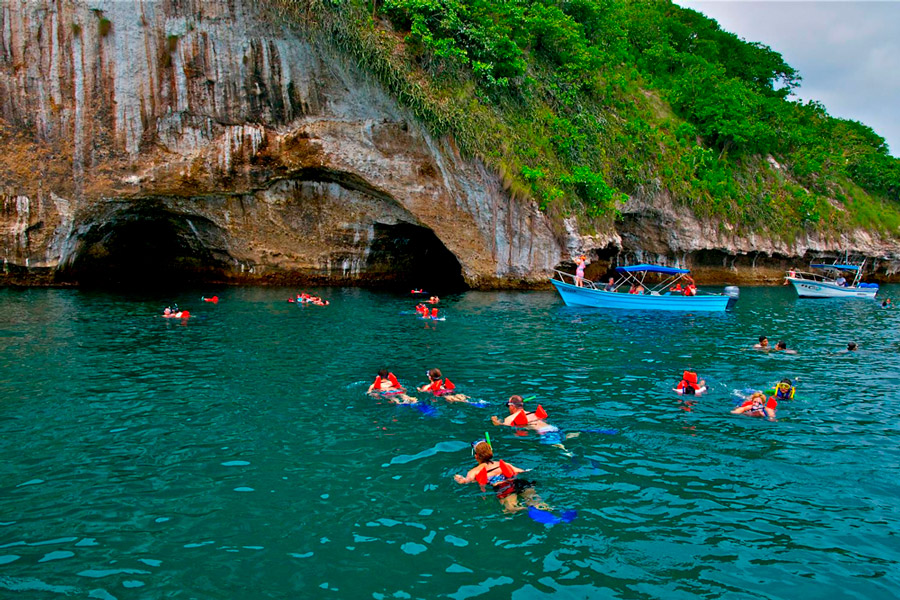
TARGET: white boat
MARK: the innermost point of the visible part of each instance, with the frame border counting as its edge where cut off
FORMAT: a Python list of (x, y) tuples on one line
[(831, 282)]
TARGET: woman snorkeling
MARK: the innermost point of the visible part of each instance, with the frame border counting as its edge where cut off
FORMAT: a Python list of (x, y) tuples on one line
[(501, 476)]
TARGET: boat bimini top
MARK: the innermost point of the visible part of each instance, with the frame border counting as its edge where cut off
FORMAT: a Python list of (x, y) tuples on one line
[(635, 275)]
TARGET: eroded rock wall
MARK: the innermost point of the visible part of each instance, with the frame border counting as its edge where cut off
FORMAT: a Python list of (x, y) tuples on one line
[(207, 111), (259, 154)]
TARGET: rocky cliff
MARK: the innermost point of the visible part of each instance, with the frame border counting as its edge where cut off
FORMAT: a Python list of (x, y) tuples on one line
[(170, 139)]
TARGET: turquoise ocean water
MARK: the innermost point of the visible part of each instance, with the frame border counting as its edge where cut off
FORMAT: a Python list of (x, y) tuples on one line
[(236, 455)]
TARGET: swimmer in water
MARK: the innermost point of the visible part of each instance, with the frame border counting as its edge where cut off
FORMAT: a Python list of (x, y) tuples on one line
[(441, 387), (689, 386), (763, 344), (387, 386), (758, 406), (519, 417), (501, 476), (852, 347), (782, 347)]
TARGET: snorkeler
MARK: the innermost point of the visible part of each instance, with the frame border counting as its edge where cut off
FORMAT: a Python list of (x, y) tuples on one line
[(439, 386), (785, 389), (501, 476), (689, 386), (758, 406), (519, 417), (387, 386), (852, 347)]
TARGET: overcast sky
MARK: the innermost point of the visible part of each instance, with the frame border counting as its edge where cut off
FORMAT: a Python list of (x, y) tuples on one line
[(848, 53)]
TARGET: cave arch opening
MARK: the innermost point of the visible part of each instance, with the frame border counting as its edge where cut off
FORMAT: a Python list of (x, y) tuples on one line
[(404, 256), (150, 247)]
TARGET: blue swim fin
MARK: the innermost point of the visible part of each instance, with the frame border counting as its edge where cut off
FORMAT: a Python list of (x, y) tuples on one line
[(426, 408), (603, 431), (542, 516), (568, 516)]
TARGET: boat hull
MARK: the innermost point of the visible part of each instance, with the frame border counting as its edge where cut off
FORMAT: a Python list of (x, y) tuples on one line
[(582, 296), (820, 289)]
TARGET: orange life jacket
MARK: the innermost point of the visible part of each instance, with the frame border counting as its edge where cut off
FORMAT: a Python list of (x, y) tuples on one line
[(521, 419)]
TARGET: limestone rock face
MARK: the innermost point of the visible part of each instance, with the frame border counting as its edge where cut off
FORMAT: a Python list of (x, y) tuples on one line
[(151, 139), (145, 136)]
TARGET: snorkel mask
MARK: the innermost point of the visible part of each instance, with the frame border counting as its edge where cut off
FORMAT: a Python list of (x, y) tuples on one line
[(486, 440)]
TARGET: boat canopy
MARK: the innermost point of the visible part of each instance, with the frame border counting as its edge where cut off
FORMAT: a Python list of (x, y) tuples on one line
[(652, 269), (838, 267)]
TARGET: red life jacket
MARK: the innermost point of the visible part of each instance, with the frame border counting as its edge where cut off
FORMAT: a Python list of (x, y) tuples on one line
[(521, 419), (506, 470), (441, 386), (391, 378), (689, 380)]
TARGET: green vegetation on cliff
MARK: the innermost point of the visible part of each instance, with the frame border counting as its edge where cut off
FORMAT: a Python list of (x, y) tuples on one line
[(578, 103)]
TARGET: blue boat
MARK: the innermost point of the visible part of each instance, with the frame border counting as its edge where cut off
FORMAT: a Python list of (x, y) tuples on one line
[(667, 294)]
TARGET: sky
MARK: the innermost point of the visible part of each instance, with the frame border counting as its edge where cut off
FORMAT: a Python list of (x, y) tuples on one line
[(848, 53)]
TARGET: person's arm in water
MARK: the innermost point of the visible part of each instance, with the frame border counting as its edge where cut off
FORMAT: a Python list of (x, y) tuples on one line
[(770, 412), (508, 421), (470, 476)]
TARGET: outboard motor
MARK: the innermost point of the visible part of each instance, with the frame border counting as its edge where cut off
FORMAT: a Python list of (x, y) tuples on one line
[(733, 292)]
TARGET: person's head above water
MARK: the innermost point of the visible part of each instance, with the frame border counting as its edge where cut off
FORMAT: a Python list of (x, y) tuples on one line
[(482, 451), (515, 403), (852, 346), (434, 374), (763, 340), (382, 373), (781, 345), (757, 397)]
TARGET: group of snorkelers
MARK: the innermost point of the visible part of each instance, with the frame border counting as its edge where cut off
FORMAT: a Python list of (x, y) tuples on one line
[(425, 313), (304, 298), (499, 475), (386, 385), (173, 312), (757, 404)]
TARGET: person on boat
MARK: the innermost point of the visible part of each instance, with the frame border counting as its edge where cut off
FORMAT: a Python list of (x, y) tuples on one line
[(441, 387), (763, 343), (690, 288), (841, 281), (757, 405), (611, 286), (501, 476), (792, 273), (677, 288), (782, 347), (689, 385), (387, 386), (632, 289), (639, 290), (579, 270)]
